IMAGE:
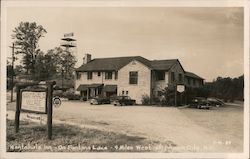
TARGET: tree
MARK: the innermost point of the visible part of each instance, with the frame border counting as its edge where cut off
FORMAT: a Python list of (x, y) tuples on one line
[(63, 61), (26, 37), (50, 65), (227, 88)]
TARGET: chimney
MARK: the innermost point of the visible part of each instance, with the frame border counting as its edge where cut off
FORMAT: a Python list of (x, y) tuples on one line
[(86, 58)]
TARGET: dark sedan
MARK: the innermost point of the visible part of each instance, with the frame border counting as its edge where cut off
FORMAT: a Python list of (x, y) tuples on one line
[(200, 103), (99, 100), (123, 100)]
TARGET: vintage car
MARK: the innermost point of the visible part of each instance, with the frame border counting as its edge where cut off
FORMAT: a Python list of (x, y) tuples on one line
[(123, 100), (215, 102), (200, 103), (99, 100)]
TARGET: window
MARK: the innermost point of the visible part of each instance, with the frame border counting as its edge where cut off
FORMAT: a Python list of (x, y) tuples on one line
[(116, 75), (180, 77), (172, 76), (189, 81), (122, 92), (160, 75), (133, 77), (108, 75), (89, 75), (78, 75), (126, 92), (98, 73), (193, 81)]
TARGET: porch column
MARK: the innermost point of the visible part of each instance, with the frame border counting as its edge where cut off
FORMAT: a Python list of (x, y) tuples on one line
[(87, 94)]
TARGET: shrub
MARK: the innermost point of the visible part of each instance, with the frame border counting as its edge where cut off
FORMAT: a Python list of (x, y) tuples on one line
[(145, 100), (70, 94)]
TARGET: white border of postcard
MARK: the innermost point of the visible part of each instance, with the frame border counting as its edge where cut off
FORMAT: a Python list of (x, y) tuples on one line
[(121, 3)]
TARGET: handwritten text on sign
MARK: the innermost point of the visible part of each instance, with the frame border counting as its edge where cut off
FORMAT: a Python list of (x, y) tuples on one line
[(34, 101)]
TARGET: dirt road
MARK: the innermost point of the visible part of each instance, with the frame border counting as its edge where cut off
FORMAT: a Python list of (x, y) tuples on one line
[(192, 130), (217, 130)]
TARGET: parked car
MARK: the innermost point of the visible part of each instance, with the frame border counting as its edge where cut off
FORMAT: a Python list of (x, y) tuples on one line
[(99, 100), (215, 102), (123, 100), (200, 103)]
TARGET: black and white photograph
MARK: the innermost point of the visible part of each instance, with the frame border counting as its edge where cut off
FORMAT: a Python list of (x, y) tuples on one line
[(92, 79)]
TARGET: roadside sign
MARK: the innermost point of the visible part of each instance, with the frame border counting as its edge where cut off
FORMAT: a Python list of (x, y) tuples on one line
[(180, 88), (57, 102), (33, 101)]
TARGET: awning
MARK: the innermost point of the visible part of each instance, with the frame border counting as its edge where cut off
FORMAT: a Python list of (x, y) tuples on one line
[(95, 85), (110, 88), (84, 87)]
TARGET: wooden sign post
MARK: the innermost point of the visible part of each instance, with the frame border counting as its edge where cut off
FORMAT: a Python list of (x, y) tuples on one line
[(181, 89), (49, 108), (35, 100)]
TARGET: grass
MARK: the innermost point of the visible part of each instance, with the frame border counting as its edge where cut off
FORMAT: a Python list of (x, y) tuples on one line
[(32, 138)]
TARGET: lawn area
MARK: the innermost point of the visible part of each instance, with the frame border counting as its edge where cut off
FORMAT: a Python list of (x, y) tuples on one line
[(32, 138)]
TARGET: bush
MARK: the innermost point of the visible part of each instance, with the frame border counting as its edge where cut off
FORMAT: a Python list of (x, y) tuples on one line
[(73, 97), (70, 94), (58, 93), (145, 100)]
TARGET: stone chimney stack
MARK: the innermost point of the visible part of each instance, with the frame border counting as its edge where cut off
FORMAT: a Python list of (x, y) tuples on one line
[(86, 58)]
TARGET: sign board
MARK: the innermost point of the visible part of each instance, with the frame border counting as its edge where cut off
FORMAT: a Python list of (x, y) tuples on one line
[(34, 98), (34, 101), (68, 35), (180, 88)]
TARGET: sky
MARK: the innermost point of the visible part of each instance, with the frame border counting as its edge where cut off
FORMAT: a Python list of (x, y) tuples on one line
[(207, 41)]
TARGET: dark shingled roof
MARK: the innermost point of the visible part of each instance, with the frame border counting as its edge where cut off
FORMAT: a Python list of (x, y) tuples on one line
[(163, 64), (190, 74), (116, 63)]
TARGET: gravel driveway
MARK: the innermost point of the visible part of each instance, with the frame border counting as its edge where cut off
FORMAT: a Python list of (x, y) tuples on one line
[(193, 130)]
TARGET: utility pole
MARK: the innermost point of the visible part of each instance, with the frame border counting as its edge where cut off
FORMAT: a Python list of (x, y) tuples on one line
[(12, 71), (175, 94), (62, 77)]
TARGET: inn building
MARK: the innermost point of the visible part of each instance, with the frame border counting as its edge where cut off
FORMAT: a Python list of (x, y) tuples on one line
[(134, 76)]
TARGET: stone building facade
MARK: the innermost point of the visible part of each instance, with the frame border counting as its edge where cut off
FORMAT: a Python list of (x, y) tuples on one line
[(134, 76)]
